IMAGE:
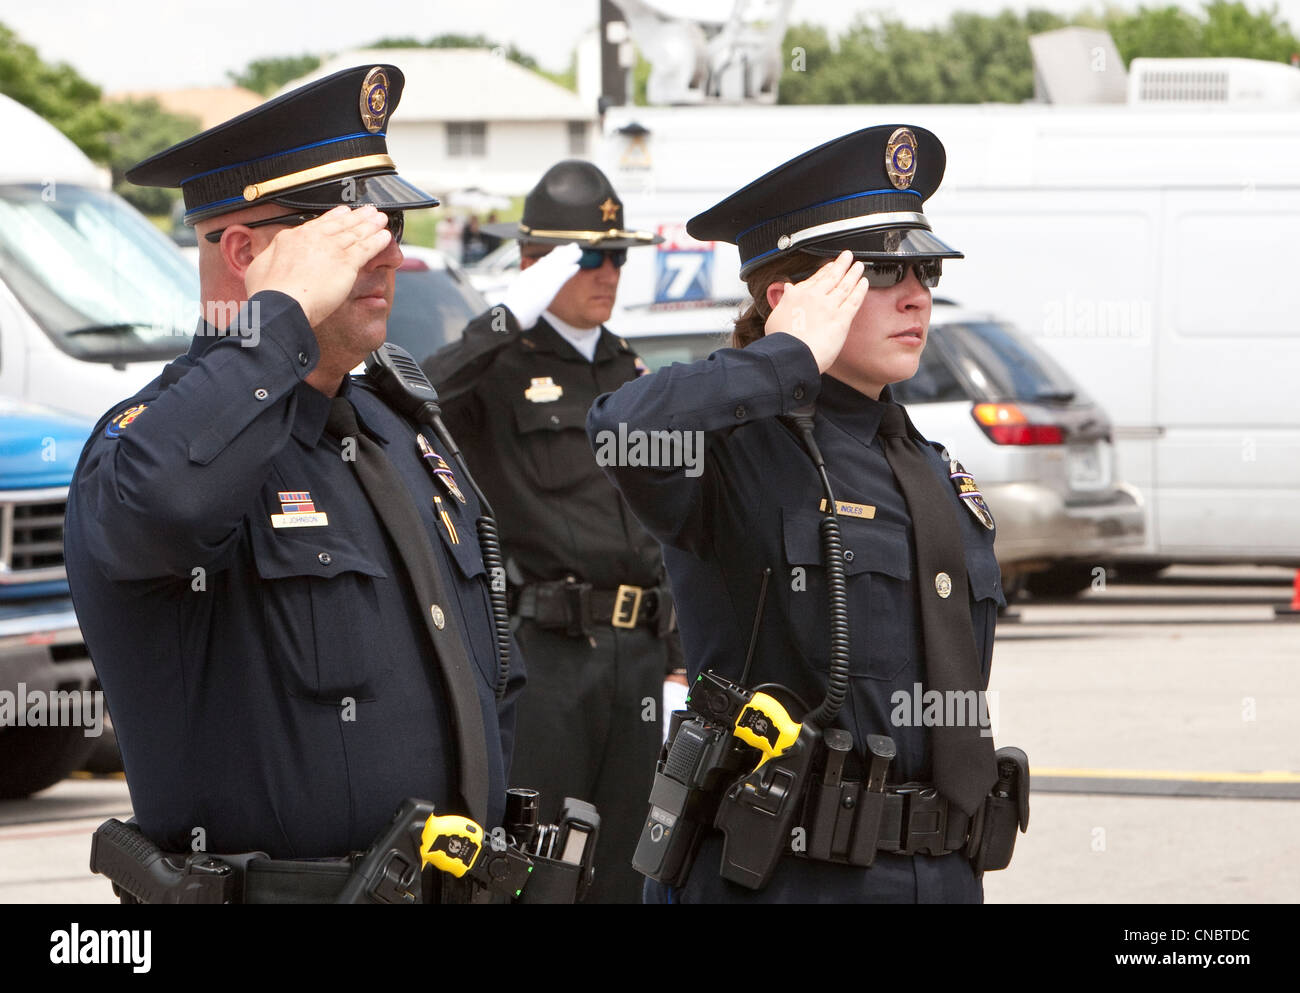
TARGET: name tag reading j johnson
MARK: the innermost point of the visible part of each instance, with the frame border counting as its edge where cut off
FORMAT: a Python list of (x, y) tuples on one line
[(299, 520)]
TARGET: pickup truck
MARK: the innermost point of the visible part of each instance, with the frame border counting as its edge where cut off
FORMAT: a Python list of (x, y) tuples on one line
[(41, 649)]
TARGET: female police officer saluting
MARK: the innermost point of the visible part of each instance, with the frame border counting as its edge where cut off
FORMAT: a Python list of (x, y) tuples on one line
[(839, 259)]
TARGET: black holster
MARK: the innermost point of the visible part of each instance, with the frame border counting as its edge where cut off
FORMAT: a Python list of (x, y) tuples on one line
[(1005, 811)]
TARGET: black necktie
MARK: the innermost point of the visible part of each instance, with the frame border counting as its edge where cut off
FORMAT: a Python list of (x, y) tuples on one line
[(397, 512), (964, 767)]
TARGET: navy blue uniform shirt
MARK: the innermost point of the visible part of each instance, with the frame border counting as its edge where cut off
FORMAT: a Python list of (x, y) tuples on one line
[(756, 505), (274, 686)]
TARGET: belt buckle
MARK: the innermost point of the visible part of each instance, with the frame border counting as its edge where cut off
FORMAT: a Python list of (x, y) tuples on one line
[(924, 822), (620, 606)]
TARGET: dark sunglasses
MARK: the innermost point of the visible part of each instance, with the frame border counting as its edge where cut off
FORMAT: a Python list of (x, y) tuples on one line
[(396, 223), (882, 275), (594, 258)]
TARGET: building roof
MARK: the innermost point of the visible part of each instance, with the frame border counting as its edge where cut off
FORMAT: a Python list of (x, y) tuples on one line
[(464, 84), (210, 104)]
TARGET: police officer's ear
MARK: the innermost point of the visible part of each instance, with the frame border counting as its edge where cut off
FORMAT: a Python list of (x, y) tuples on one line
[(775, 291), (236, 248), (233, 254)]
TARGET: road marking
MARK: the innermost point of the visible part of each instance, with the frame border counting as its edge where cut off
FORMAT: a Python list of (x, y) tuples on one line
[(1266, 785), (1267, 776)]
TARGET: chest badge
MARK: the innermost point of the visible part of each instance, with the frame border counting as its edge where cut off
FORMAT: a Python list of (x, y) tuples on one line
[(439, 467), (964, 483), (298, 510), (543, 390)]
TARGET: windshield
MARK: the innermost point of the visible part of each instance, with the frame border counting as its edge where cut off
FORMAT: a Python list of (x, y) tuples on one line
[(96, 276), (1004, 367)]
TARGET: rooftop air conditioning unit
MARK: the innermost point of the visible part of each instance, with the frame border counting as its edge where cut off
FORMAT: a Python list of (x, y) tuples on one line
[(1232, 82)]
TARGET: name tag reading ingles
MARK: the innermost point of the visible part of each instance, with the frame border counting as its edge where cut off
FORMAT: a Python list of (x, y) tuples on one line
[(845, 509), (299, 511)]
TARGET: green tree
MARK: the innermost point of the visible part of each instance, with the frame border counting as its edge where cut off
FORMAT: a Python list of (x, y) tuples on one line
[(58, 93), (265, 76), (807, 53), (1232, 30), (145, 128), (976, 58), (1155, 33)]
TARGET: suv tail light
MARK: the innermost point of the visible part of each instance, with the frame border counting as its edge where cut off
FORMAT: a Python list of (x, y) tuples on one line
[(1006, 424)]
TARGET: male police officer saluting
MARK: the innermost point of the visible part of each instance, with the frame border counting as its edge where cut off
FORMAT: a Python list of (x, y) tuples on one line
[(275, 681), (594, 614)]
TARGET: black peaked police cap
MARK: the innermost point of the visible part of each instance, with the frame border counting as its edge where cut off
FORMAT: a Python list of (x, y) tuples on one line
[(574, 201), (312, 148), (862, 192)]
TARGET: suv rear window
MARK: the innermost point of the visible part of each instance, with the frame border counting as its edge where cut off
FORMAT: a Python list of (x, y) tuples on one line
[(934, 381), (1003, 366)]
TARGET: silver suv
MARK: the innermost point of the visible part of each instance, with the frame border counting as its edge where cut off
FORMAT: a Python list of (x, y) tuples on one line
[(1040, 449)]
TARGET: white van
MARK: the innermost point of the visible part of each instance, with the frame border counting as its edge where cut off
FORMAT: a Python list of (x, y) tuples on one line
[(1147, 249), (93, 298)]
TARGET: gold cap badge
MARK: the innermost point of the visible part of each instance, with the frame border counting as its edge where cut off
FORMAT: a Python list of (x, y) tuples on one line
[(374, 99), (900, 158)]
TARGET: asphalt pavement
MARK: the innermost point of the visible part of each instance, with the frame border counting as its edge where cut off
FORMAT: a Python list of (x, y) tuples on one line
[(1162, 723)]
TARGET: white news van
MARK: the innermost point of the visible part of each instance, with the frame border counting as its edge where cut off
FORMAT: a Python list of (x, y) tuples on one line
[(1150, 250), (93, 298)]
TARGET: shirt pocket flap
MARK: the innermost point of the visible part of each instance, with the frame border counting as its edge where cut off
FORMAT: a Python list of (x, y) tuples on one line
[(985, 576), (281, 553), (867, 546), (555, 416), (466, 550)]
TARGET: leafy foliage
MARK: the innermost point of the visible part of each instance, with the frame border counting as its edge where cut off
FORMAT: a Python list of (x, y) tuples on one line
[(976, 58), (145, 128), (58, 93), (265, 76)]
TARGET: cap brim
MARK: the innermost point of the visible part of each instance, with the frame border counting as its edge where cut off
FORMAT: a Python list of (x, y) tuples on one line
[(387, 191), (618, 239), (890, 243)]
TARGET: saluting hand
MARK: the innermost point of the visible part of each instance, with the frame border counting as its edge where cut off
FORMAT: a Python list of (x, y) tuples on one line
[(819, 310), (317, 263)]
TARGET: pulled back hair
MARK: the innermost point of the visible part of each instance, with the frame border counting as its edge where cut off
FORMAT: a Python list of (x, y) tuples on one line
[(752, 321)]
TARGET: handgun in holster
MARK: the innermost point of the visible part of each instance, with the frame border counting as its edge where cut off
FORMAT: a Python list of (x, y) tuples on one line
[(398, 868)]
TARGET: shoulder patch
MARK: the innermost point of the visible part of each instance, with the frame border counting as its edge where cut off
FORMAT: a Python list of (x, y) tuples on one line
[(969, 493), (120, 421)]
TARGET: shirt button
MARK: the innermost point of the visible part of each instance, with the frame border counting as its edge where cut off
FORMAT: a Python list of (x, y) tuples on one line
[(848, 555), (741, 412), (324, 558), (439, 619), (302, 358), (555, 420), (943, 585), (260, 394), (799, 392)]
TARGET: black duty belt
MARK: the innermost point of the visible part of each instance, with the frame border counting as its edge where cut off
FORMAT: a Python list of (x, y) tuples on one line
[(577, 608), (848, 823)]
